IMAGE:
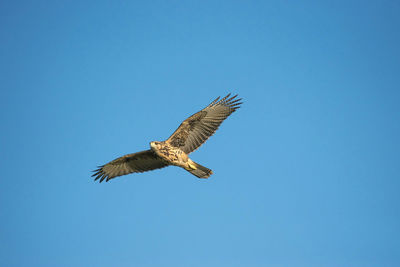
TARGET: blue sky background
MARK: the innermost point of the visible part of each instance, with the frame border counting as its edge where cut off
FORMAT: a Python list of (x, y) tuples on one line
[(306, 173)]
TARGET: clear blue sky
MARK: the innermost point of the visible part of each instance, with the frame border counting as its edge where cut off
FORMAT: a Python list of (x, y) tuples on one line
[(306, 173)]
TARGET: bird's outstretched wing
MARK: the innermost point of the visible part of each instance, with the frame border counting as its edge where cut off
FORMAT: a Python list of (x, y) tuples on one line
[(136, 162), (196, 129)]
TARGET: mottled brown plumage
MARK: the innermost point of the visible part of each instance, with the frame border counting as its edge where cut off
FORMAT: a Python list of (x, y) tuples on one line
[(189, 136), (137, 162)]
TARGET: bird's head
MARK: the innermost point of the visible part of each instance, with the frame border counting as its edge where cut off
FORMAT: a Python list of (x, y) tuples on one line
[(155, 145)]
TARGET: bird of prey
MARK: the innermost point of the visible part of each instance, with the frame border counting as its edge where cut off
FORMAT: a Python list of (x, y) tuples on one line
[(190, 135)]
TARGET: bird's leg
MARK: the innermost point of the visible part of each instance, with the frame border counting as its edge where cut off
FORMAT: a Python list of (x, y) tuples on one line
[(191, 165)]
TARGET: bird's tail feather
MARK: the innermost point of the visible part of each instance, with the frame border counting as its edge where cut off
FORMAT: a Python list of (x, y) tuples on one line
[(199, 170)]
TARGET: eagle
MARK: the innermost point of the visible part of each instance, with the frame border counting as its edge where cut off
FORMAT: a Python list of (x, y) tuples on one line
[(189, 136)]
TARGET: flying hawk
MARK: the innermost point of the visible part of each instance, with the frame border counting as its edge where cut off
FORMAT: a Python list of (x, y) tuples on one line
[(190, 135)]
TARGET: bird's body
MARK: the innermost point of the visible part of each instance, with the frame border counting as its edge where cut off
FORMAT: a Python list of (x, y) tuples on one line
[(170, 154), (191, 134), (175, 156)]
